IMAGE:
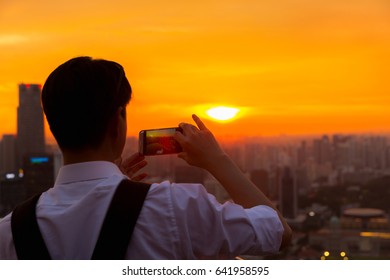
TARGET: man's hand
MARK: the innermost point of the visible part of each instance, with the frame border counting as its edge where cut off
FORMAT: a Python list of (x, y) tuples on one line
[(200, 148), (131, 165)]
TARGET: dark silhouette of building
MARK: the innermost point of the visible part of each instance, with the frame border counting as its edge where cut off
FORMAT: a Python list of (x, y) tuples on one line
[(189, 174), (288, 195), (7, 154), (38, 173), (322, 150), (302, 154), (274, 176), (12, 192), (30, 135)]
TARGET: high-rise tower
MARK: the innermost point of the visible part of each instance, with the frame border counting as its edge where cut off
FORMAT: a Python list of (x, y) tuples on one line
[(7, 154), (288, 194), (30, 136)]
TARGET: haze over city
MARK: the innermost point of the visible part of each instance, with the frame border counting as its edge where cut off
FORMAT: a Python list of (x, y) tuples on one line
[(291, 67)]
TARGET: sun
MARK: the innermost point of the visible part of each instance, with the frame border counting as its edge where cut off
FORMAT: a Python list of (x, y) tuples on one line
[(222, 113)]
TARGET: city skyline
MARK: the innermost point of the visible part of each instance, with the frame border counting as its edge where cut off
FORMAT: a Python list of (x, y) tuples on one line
[(315, 182), (223, 138), (292, 67)]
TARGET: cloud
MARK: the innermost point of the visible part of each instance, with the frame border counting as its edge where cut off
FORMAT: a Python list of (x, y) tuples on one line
[(12, 39)]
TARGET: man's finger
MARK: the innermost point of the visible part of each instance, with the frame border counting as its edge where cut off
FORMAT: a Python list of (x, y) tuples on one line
[(199, 123), (179, 137)]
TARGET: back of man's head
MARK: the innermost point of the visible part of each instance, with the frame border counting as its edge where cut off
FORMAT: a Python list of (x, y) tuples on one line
[(80, 97)]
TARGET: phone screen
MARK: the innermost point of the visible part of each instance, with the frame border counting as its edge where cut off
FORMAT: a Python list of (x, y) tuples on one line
[(159, 141)]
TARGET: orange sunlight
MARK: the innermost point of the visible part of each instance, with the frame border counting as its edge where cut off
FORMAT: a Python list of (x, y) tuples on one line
[(291, 67)]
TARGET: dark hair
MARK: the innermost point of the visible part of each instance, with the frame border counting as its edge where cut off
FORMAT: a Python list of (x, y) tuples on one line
[(80, 97)]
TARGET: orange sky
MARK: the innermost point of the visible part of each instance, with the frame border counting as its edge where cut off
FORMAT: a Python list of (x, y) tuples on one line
[(293, 66)]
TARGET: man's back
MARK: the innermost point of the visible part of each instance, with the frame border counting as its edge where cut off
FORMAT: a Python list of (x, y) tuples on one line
[(176, 221)]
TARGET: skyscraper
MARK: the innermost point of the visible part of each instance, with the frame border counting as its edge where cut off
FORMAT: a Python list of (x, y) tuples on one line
[(189, 174), (7, 154), (38, 173), (30, 135), (288, 194), (322, 150)]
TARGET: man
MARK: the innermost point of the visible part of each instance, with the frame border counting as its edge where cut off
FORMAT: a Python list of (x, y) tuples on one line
[(84, 101)]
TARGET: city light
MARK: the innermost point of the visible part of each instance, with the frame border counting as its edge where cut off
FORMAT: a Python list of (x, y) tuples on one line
[(384, 235), (326, 254), (334, 256), (37, 160), (10, 176)]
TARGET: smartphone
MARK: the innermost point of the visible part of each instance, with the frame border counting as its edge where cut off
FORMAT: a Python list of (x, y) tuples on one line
[(159, 141)]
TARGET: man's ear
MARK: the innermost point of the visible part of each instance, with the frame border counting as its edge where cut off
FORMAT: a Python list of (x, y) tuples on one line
[(122, 111)]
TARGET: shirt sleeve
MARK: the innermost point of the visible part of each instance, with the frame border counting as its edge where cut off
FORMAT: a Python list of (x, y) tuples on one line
[(209, 229)]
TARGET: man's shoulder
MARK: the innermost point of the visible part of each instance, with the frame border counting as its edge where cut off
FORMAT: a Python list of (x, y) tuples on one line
[(5, 220), (167, 194), (185, 189)]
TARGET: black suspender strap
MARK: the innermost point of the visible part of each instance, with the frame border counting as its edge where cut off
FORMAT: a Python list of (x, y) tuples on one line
[(29, 244), (115, 234), (120, 221)]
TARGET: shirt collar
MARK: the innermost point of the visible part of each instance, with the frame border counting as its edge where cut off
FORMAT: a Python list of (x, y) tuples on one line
[(86, 171)]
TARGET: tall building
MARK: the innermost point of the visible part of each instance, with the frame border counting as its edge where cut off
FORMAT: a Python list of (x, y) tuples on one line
[(7, 154), (322, 150), (30, 135), (189, 174), (288, 194), (302, 154), (38, 173), (12, 192)]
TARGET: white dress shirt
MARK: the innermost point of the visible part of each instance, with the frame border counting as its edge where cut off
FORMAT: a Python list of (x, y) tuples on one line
[(177, 221)]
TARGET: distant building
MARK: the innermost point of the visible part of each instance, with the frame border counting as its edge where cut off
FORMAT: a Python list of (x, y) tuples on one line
[(288, 195), (12, 192), (302, 154), (215, 188), (274, 177), (7, 154), (30, 131), (302, 180), (38, 173), (322, 150), (36, 176), (189, 174), (253, 157)]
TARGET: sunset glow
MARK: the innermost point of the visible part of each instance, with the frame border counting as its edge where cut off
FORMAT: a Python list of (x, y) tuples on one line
[(302, 67)]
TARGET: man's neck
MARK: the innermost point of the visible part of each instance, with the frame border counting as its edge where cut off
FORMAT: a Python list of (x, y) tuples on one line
[(71, 157)]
